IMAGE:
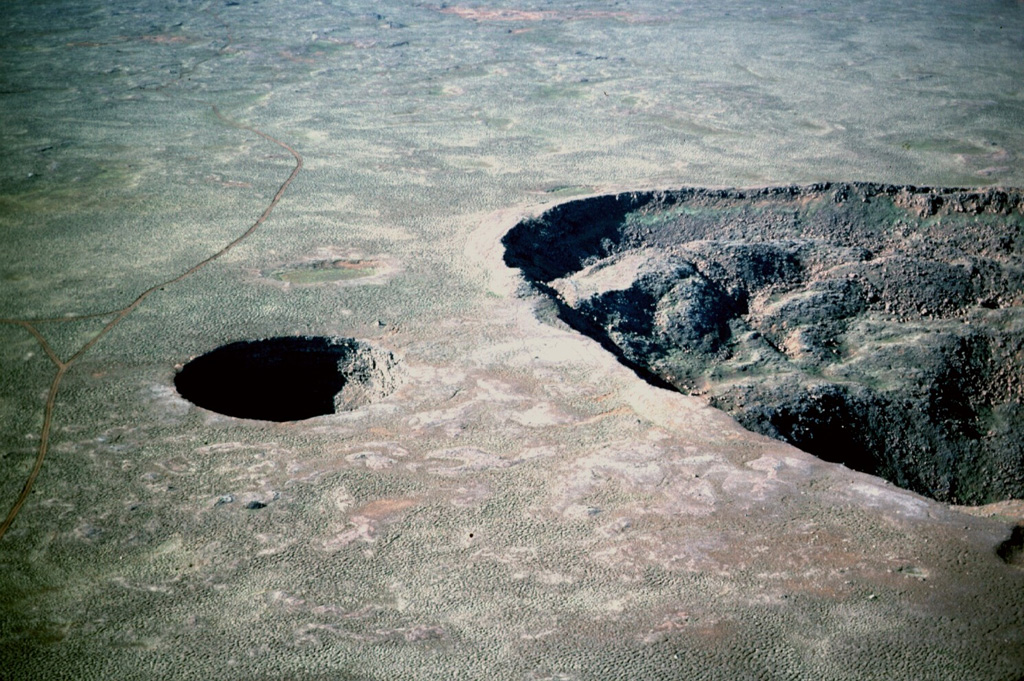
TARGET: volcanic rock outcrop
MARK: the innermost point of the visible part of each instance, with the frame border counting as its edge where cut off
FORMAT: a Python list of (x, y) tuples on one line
[(872, 325)]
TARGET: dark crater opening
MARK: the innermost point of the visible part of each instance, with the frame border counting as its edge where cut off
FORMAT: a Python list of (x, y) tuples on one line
[(872, 325), (1011, 550), (287, 379)]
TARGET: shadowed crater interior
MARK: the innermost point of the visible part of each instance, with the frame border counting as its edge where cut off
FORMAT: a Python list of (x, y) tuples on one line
[(872, 325), (287, 379)]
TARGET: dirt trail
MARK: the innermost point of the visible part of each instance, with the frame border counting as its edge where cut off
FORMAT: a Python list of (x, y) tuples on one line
[(120, 314)]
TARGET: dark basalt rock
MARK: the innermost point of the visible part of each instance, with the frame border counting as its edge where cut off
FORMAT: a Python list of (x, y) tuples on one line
[(873, 325)]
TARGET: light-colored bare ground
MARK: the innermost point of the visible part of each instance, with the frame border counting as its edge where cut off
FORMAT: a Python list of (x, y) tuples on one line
[(522, 506)]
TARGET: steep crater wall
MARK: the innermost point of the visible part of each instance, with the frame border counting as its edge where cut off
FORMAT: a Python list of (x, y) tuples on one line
[(872, 325), (290, 378)]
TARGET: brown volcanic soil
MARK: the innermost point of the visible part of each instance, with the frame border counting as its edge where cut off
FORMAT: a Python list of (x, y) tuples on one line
[(876, 326)]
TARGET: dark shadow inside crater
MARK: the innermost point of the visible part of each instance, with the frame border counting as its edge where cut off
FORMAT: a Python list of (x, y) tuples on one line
[(1011, 550), (286, 379), (876, 326)]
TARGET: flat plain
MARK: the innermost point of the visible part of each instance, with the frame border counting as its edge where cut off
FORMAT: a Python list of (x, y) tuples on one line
[(506, 500)]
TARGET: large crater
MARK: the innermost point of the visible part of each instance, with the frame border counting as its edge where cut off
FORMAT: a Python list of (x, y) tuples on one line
[(876, 326), (287, 379)]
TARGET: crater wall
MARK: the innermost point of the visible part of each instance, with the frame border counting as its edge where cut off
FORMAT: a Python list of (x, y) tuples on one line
[(876, 326)]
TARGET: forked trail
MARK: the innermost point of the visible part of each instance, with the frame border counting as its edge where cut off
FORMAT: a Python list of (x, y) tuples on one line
[(63, 366)]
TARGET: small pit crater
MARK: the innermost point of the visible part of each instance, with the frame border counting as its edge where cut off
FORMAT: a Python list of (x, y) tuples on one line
[(877, 326), (288, 378)]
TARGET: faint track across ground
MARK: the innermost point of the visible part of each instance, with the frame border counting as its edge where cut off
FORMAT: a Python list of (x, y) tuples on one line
[(119, 315)]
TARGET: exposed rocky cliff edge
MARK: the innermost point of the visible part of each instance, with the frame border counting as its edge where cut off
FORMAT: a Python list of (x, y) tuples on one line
[(876, 326)]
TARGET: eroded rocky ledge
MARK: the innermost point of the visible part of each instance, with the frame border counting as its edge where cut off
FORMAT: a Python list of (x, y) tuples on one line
[(873, 325)]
